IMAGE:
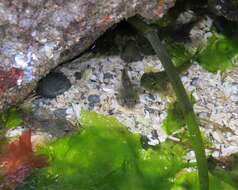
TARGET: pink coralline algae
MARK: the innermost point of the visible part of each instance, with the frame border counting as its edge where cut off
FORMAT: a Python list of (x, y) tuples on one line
[(9, 78)]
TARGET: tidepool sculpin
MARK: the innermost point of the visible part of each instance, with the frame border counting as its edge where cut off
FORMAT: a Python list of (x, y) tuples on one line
[(128, 93)]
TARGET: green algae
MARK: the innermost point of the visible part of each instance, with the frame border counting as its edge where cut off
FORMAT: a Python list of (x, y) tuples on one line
[(104, 155), (156, 82), (219, 54), (178, 53), (159, 81), (10, 118), (174, 120), (189, 181)]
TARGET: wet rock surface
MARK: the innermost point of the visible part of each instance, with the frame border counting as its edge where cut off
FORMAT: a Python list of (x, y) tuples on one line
[(36, 36)]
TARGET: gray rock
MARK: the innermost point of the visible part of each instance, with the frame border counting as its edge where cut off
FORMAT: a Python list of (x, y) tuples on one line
[(42, 114), (53, 84), (94, 99), (60, 113), (38, 35), (78, 75), (107, 76)]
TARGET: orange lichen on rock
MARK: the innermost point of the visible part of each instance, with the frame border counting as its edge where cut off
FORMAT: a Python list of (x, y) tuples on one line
[(18, 159), (162, 6)]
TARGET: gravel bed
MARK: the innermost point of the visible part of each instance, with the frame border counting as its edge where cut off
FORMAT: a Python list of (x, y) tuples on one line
[(98, 86)]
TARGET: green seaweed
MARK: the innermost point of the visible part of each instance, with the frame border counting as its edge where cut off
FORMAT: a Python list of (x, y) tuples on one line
[(166, 20), (182, 97), (10, 118), (178, 53), (156, 82), (159, 81), (219, 54), (189, 181), (105, 155), (174, 119)]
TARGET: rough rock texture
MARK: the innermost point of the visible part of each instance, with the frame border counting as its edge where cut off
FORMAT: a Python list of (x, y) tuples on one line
[(37, 35)]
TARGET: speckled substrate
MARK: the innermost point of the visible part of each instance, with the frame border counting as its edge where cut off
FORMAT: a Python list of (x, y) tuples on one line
[(216, 98), (97, 90)]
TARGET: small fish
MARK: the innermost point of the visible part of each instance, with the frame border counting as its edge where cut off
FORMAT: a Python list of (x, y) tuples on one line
[(159, 81), (128, 94)]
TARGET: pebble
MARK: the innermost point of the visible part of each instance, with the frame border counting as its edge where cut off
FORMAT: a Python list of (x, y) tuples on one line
[(60, 113), (94, 99), (53, 84), (42, 114), (108, 76), (78, 75)]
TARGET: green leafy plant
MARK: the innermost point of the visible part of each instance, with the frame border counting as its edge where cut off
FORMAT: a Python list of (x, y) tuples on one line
[(10, 118)]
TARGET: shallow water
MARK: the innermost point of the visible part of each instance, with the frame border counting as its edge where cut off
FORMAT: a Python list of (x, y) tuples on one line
[(92, 141)]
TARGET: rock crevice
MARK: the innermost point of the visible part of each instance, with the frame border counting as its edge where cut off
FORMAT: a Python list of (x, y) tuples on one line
[(37, 35)]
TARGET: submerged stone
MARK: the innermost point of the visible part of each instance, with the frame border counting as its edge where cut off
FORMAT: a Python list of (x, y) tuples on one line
[(78, 75), (94, 99), (53, 84)]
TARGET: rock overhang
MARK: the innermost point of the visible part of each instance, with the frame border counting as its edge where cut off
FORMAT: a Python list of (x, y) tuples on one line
[(38, 35)]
